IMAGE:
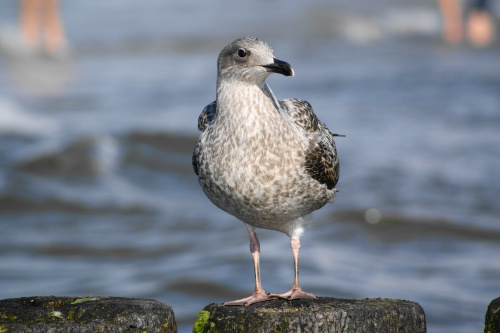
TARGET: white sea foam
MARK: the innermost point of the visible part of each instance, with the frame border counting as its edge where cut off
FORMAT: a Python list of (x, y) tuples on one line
[(14, 120)]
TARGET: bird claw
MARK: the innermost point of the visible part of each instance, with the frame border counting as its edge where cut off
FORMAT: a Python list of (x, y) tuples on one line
[(255, 298), (295, 294)]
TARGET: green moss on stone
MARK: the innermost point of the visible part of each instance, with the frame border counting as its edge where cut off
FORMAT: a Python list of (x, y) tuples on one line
[(200, 325), (57, 314), (81, 300), (71, 313), (8, 316), (490, 326), (385, 303)]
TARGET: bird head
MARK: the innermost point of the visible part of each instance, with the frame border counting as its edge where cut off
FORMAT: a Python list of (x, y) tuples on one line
[(250, 60)]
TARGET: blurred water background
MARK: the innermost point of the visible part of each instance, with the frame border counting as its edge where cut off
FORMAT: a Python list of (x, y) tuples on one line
[(97, 193)]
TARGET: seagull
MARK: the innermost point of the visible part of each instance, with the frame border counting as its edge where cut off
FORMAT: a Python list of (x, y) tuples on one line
[(268, 163)]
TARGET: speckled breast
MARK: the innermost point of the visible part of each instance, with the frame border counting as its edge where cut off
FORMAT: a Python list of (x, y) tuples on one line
[(260, 180)]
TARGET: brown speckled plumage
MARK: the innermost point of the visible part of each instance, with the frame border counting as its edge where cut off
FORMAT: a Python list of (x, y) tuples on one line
[(268, 163)]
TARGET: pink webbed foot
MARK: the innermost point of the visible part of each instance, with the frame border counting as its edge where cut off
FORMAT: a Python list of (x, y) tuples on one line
[(295, 293), (255, 298)]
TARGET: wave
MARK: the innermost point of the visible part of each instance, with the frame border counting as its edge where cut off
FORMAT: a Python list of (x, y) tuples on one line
[(394, 227), (13, 204), (15, 121)]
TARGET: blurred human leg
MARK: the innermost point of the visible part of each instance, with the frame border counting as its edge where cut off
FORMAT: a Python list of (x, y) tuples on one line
[(30, 22), (452, 20), (52, 27)]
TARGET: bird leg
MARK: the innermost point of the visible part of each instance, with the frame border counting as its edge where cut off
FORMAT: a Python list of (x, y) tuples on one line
[(259, 294), (296, 292)]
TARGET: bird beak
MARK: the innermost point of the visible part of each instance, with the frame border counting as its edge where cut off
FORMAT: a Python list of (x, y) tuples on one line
[(280, 67)]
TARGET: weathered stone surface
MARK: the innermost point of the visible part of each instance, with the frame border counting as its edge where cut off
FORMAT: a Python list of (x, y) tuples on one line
[(492, 320), (85, 314), (325, 314)]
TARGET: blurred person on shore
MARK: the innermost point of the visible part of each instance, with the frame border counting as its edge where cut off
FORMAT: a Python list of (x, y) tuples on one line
[(41, 26), (477, 26), (37, 53)]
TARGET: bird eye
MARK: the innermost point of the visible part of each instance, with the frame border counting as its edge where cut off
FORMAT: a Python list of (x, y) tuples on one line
[(242, 53)]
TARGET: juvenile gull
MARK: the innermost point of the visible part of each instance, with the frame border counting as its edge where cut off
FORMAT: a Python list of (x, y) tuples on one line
[(269, 163)]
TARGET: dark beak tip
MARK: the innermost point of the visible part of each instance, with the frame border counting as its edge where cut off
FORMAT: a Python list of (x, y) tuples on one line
[(280, 67)]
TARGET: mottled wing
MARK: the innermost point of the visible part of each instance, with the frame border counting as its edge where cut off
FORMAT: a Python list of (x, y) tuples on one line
[(322, 162), (206, 117)]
